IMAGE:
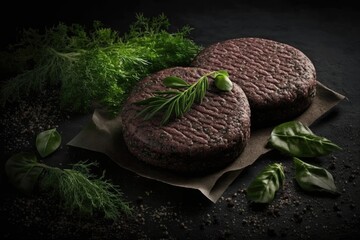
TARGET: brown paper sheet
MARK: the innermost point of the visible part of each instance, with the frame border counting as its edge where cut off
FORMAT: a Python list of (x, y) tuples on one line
[(104, 135)]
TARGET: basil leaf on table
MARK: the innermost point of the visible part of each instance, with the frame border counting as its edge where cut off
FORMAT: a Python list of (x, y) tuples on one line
[(23, 171), (47, 142), (263, 188), (295, 139), (312, 178)]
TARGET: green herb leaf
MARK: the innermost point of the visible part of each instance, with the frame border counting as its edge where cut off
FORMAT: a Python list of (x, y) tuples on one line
[(175, 82), (47, 142), (82, 192), (266, 183), (223, 83), (295, 139), (176, 103), (312, 178), (23, 172)]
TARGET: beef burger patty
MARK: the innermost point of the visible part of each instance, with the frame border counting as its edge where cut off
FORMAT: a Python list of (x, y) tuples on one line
[(279, 80), (206, 138)]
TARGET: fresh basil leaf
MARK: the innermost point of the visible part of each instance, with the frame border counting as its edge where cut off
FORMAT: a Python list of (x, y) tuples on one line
[(312, 178), (262, 189), (175, 82), (297, 140), (47, 142), (23, 171)]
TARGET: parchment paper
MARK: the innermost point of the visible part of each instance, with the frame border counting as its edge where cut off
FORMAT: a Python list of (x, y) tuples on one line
[(104, 135)]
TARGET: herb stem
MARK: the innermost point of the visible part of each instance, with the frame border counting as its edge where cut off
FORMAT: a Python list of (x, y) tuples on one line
[(71, 56)]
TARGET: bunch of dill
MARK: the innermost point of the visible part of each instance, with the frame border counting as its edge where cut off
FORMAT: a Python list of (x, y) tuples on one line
[(92, 67)]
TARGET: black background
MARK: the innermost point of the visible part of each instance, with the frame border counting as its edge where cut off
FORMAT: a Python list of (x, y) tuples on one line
[(328, 35)]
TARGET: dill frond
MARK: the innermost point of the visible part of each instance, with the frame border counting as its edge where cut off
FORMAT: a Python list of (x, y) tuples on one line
[(84, 193)]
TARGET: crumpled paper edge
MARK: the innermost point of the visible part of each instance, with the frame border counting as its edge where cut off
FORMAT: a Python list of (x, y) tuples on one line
[(104, 135)]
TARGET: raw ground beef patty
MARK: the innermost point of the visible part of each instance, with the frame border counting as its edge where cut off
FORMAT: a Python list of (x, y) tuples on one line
[(208, 137), (278, 80)]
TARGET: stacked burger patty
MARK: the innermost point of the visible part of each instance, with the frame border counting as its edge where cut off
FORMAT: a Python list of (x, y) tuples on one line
[(274, 82)]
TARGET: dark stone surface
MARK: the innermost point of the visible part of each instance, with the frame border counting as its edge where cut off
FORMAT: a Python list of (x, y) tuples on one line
[(329, 36)]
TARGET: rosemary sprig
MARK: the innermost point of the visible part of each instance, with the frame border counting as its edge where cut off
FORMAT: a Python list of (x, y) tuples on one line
[(177, 103)]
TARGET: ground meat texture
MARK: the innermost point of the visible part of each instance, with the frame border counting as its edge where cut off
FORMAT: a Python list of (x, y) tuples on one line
[(207, 138), (279, 80)]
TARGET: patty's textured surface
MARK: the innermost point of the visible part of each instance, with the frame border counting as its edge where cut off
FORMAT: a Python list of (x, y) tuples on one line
[(279, 80), (210, 136)]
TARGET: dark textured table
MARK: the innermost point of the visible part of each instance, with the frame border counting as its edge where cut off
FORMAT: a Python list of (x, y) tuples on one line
[(328, 36)]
